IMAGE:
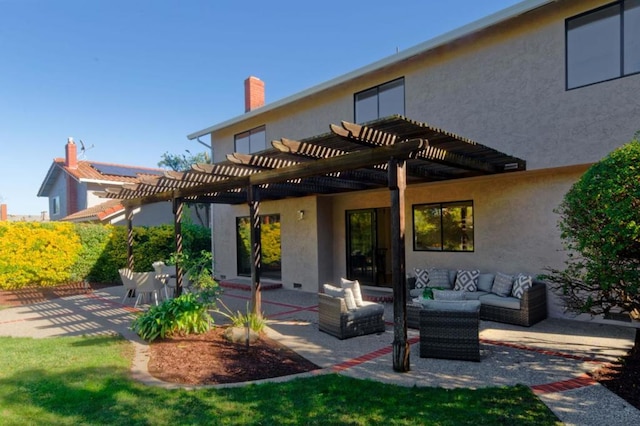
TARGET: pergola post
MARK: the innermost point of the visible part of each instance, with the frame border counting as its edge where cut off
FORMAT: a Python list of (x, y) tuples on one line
[(178, 208), (397, 185), (253, 198), (128, 213)]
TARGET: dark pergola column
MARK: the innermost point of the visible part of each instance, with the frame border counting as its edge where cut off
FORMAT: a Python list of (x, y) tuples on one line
[(253, 198), (128, 213), (178, 208), (397, 185)]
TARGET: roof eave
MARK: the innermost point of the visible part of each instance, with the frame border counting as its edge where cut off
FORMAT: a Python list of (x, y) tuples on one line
[(466, 30)]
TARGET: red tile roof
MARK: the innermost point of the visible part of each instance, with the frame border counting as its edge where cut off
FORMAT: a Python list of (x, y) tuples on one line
[(98, 213)]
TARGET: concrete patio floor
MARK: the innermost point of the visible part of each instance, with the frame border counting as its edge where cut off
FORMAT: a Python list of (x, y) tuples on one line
[(552, 357)]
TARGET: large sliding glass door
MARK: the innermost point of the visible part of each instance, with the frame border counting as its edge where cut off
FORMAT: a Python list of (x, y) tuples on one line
[(367, 242)]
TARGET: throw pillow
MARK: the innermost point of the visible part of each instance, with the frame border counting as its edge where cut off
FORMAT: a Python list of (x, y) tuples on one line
[(333, 291), (520, 284), (349, 300), (422, 277), (355, 289), (447, 295), (439, 278), (467, 280), (485, 282), (502, 284)]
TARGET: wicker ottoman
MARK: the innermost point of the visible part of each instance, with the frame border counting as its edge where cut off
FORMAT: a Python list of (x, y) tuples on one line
[(450, 330)]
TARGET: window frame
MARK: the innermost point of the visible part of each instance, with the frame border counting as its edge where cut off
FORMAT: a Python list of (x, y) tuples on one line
[(249, 133), (377, 96), (621, 8), (55, 205), (441, 206)]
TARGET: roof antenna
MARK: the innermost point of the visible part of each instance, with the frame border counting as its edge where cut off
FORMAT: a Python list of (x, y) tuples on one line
[(83, 149)]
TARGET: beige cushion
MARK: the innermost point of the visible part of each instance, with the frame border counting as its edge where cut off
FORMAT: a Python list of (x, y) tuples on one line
[(349, 300), (355, 289)]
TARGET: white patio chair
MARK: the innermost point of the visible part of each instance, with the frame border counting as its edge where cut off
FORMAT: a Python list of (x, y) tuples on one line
[(126, 275), (146, 283)]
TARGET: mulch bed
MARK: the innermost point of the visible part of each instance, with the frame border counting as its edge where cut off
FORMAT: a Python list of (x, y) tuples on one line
[(209, 358)]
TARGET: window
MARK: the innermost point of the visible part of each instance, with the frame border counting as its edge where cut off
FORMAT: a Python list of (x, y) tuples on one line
[(55, 205), (252, 141), (270, 239), (380, 101), (603, 44), (443, 226)]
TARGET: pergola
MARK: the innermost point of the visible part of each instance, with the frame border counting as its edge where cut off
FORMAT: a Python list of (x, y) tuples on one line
[(392, 153)]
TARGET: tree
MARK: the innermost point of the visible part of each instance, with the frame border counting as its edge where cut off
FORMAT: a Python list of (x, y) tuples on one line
[(182, 163), (600, 226)]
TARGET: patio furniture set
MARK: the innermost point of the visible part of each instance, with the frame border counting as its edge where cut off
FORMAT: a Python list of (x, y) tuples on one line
[(151, 284), (449, 320)]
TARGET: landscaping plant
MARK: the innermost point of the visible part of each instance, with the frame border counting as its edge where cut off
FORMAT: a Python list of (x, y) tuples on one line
[(185, 314), (600, 226)]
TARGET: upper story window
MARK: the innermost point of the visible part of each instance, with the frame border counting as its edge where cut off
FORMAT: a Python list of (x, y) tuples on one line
[(380, 101), (252, 141), (603, 44)]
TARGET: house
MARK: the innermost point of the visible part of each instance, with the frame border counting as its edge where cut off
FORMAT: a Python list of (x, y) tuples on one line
[(70, 184), (553, 83)]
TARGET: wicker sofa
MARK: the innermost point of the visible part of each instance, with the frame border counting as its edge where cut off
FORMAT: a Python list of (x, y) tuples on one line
[(342, 321), (527, 310)]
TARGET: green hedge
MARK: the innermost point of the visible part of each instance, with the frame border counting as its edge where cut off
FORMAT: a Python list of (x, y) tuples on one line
[(48, 254)]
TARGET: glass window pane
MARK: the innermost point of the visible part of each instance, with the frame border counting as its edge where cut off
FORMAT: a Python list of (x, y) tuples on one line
[(257, 140), (427, 231), (366, 105), (242, 143), (271, 248), (457, 227), (593, 47), (391, 98), (632, 36)]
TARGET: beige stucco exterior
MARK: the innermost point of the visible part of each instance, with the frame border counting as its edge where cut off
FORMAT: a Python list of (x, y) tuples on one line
[(503, 87)]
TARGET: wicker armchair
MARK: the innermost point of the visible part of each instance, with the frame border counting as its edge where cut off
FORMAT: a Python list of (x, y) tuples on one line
[(337, 320), (450, 330)]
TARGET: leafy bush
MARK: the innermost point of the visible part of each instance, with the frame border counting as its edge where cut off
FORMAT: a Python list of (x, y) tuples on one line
[(600, 226), (34, 253), (54, 253), (186, 314)]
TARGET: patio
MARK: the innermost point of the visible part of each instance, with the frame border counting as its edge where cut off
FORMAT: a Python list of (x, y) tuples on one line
[(550, 357)]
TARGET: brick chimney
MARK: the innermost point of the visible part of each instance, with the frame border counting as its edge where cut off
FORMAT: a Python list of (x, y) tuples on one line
[(3, 212), (71, 154), (253, 93)]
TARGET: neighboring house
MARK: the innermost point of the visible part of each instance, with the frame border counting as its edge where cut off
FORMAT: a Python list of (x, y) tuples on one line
[(70, 185), (554, 83)]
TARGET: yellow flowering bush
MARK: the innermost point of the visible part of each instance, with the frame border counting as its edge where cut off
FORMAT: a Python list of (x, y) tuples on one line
[(34, 253)]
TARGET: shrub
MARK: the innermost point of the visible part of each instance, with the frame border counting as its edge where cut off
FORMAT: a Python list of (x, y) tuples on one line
[(34, 253), (186, 314)]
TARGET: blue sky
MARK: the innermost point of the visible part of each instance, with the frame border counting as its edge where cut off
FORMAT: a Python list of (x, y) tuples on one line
[(132, 78)]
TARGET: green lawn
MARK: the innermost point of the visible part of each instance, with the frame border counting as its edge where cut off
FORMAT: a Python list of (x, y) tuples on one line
[(85, 380)]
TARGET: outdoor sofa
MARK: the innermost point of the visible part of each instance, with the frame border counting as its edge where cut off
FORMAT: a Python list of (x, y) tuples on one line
[(343, 314), (513, 299)]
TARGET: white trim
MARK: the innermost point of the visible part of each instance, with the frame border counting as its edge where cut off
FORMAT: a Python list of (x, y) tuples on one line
[(103, 182), (473, 27)]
